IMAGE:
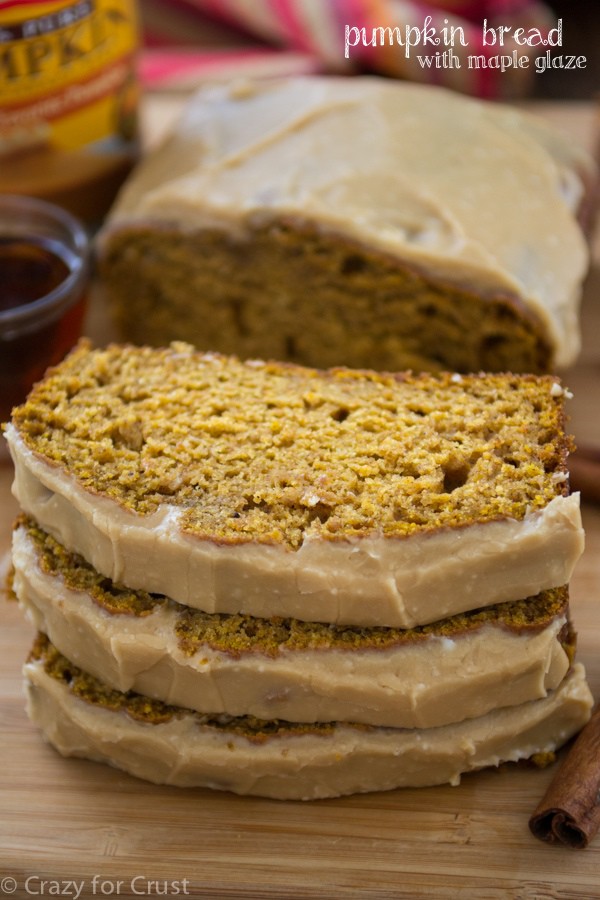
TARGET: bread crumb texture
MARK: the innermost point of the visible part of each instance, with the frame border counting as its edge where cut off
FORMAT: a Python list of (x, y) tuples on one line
[(275, 453), (327, 300)]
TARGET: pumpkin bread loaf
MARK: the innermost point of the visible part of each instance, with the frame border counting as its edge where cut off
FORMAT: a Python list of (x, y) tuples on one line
[(354, 221)]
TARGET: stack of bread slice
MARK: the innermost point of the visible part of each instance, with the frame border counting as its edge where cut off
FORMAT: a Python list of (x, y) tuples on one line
[(295, 583)]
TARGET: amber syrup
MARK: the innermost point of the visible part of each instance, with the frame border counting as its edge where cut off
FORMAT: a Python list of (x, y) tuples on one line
[(30, 269)]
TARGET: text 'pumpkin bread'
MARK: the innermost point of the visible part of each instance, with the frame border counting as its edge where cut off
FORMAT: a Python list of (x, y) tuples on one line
[(354, 221)]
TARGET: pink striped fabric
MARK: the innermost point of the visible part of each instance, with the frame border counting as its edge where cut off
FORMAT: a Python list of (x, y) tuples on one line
[(317, 29)]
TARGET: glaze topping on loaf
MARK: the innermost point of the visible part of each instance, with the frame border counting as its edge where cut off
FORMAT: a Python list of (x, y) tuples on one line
[(458, 668), (238, 634), (475, 197), (81, 717)]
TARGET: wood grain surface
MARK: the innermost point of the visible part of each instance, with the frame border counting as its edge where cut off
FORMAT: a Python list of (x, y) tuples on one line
[(75, 821)]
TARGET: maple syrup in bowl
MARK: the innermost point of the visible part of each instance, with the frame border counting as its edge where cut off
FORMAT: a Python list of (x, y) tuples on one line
[(44, 268)]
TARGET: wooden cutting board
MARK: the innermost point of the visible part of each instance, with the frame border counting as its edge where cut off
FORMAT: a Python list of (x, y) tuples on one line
[(71, 819), (75, 821)]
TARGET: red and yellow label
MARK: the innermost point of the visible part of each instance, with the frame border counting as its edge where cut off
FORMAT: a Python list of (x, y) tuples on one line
[(67, 74)]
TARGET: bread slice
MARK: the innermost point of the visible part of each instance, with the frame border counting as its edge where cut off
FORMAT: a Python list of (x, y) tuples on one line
[(286, 669), (166, 744), (355, 221), (342, 496)]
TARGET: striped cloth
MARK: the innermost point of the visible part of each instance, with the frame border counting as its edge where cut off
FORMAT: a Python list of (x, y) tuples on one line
[(347, 36)]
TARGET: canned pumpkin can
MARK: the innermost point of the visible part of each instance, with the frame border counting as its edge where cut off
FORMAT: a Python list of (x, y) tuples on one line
[(69, 99)]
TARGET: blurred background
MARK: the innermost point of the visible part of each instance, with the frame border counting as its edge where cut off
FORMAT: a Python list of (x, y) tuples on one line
[(190, 41), (581, 36)]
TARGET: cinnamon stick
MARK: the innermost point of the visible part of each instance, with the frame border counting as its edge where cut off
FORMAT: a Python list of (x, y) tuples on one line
[(569, 813), (584, 467)]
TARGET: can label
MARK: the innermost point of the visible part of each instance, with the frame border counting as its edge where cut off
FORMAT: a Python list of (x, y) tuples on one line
[(67, 74), (68, 99)]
